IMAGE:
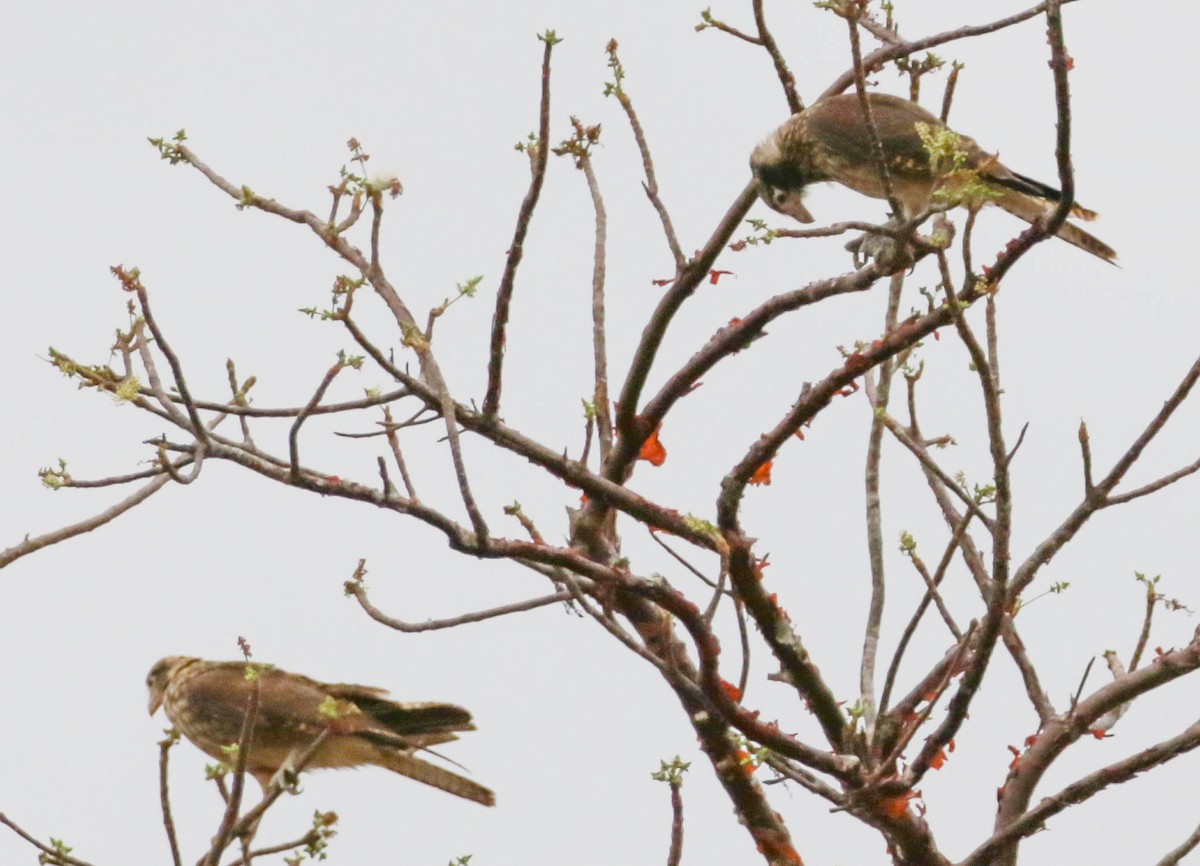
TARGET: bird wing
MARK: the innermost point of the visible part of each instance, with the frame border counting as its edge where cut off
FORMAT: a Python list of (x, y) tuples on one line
[(842, 146), (208, 702), (288, 704), (404, 718), (838, 124)]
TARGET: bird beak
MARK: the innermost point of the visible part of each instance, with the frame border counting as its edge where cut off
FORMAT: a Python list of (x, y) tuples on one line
[(787, 202), (795, 208), (155, 702)]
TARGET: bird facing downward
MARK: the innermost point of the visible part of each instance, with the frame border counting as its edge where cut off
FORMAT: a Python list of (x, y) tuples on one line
[(831, 141), (207, 702)]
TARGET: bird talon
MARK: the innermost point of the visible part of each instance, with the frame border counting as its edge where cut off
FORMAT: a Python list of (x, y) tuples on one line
[(887, 252), (286, 779)]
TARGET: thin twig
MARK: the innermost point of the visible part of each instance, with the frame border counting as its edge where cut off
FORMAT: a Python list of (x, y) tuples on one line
[(131, 282), (52, 856), (294, 432), (1154, 486), (165, 400), (803, 778), (358, 591), (1085, 451), (29, 545), (245, 411), (744, 639), (600, 401), (716, 24), (238, 396), (1013, 821), (617, 89), (432, 387), (250, 819), (164, 747), (714, 584), (927, 462), (229, 821), (669, 670), (675, 853), (874, 516), (1029, 675), (1003, 841), (786, 79), (394, 443), (198, 454), (876, 59), (633, 434), (932, 582), (785, 643), (1060, 64), (1099, 497), (1144, 635), (948, 93), (1171, 858), (307, 839), (864, 105), (989, 632), (504, 293)]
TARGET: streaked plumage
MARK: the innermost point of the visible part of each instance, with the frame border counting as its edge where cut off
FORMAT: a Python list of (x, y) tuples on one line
[(830, 141), (207, 702)]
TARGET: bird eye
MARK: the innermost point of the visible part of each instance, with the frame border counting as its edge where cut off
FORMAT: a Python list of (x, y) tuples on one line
[(779, 197)]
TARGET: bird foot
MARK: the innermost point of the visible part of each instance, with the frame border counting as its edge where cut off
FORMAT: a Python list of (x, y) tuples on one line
[(892, 255), (887, 252), (286, 778)]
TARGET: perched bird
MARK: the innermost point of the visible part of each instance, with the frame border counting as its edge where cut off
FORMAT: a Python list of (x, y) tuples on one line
[(831, 141), (207, 702)]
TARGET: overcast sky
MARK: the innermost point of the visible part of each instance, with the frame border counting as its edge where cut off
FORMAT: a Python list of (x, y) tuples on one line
[(570, 724)]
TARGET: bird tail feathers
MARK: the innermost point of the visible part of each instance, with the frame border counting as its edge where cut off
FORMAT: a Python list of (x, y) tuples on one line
[(1037, 189), (438, 777), (1032, 207)]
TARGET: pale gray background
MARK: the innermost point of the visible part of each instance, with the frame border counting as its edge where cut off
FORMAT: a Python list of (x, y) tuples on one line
[(570, 725)]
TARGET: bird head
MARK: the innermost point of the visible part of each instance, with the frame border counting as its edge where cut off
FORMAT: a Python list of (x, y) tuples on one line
[(160, 676), (781, 176)]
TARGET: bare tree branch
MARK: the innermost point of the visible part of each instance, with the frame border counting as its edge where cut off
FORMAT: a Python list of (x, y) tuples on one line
[(491, 401), (617, 89), (1186, 847), (356, 589)]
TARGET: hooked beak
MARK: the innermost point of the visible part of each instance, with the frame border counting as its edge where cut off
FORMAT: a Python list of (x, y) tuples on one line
[(791, 205), (155, 702)]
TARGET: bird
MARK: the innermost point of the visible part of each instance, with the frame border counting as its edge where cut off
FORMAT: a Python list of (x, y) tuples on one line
[(831, 141), (207, 702)]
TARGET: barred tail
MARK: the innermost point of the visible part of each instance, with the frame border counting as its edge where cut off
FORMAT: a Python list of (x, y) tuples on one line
[(1037, 189), (438, 777), (1030, 208)]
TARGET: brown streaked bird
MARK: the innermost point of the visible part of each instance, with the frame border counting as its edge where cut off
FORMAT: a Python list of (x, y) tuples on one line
[(207, 702), (831, 141)]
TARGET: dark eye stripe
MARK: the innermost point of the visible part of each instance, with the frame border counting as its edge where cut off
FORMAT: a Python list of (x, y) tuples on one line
[(782, 176)]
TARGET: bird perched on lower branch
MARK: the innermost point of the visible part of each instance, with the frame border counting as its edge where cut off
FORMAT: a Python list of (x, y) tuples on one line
[(928, 164), (207, 702)]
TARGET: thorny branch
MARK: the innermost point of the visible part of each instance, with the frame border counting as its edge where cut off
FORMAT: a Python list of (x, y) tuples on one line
[(857, 769)]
